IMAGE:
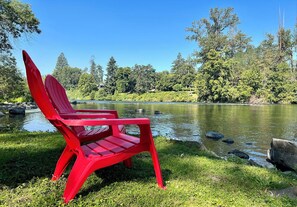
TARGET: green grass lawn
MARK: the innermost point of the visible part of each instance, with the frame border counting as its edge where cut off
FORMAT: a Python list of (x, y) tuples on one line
[(193, 178)]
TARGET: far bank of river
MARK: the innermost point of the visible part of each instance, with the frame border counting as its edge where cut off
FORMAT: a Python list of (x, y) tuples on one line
[(252, 127)]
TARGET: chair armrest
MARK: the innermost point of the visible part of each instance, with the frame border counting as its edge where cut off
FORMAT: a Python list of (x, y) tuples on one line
[(98, 111), (143, 124), (87, 116), (98, 122)]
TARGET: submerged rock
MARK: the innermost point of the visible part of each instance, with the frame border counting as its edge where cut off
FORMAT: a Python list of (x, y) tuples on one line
[(228, 141), (248, 143), (283, 154), (214, 135), (1, 114), (240, 154), (158, 112)]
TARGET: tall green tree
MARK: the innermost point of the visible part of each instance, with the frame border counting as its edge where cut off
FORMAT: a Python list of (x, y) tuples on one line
[(96, 71), (61, 65), (110, 82), (66, 75), (93, 67), (183, 71), (213, 79), (99, 74)]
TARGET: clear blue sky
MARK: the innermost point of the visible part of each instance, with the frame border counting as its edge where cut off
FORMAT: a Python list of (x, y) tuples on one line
[(135, 31)]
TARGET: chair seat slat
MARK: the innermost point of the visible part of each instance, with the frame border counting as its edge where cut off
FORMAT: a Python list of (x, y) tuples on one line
[(120, 142), (110, 146)]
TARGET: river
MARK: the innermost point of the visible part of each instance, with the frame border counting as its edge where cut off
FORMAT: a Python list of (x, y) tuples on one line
[(252, 127)]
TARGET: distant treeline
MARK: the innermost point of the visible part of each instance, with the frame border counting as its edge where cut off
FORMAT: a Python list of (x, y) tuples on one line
[(226, 67)]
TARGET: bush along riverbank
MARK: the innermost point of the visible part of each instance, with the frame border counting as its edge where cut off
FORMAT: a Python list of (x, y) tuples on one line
[(193, 176)]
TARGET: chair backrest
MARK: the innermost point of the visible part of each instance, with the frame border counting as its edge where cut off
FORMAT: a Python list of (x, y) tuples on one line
[(58, 95), (59, 98), (37, 88)]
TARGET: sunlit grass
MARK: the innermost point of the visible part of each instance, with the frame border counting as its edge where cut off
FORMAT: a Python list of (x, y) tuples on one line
[(193, 178)]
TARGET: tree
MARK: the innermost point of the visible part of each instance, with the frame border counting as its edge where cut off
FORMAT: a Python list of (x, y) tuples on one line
[(66, 75), (145, 78), (125, 82), (16, 19), (11, 81), (213, 79), (61, 64), (72, 76), (100, 74), (87, 84), (211, 34), (165, 81), (110, 82), (285, 45), (93, 67), (183, 71), (96, 71)]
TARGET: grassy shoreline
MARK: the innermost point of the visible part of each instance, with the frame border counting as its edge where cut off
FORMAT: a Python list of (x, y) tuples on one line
[(170, 96), (193, 177)]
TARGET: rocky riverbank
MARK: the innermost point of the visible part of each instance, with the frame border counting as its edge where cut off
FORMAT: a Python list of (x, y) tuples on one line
[(16, 108)]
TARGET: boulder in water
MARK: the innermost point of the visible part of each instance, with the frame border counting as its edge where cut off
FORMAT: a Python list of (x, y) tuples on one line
[(214, 135), (17, 110)]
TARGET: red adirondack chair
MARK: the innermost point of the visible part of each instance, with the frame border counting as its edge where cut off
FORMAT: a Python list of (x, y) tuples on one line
[(97, 154), (61, 103)]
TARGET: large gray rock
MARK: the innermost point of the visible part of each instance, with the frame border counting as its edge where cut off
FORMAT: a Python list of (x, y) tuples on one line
[(17, 110), (283, 154), (1, 114)]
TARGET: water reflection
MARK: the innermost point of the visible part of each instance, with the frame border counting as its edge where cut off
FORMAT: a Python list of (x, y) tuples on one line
[(32, 121), (251, 127)]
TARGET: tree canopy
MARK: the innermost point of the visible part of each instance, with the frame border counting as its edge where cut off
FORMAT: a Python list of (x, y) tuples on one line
[(16, 19)]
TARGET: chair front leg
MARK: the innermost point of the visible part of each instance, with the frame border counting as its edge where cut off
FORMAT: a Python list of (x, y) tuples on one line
[(157, 167), (63, 162)]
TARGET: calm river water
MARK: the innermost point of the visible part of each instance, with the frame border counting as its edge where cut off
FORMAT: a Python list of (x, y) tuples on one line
[(251, 127)]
